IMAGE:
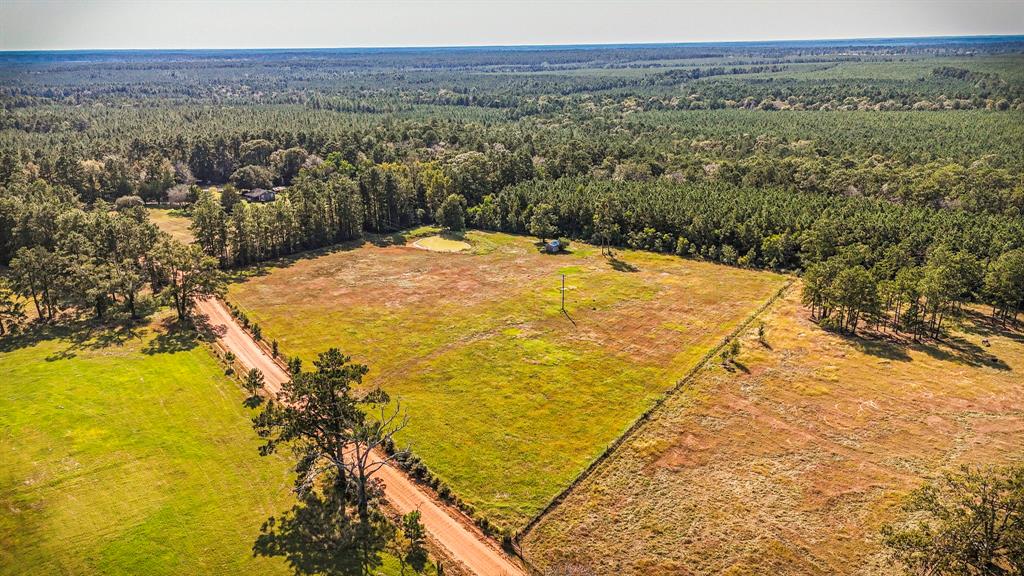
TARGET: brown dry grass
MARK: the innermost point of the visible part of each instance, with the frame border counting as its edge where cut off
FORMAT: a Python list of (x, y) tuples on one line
[(791, 463)]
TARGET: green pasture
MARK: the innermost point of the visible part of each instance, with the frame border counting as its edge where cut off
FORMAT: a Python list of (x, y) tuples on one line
[(129, 452)]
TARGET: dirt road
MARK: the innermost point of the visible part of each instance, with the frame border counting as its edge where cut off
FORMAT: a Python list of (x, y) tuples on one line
[(447, 526)]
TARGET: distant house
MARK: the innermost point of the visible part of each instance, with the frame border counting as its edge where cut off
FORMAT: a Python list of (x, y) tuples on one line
[(259, 195)]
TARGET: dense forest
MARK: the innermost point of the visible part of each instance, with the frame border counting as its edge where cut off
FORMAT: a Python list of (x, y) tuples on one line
[(889, 173)]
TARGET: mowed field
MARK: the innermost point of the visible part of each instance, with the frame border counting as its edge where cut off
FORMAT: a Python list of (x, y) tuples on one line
[(509, 398), (790, 463), (129, 454), (173, 222)]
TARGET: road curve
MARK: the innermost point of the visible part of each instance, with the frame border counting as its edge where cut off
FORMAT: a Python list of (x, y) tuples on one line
[(446, 526)]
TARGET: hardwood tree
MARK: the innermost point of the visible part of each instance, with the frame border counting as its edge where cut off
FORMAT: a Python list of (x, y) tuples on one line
[(969, 522), (185, 274), (542, 222), (451, 214), (249, 177)]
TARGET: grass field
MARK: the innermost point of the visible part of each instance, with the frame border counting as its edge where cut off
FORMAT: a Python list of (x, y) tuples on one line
[(131, 453), (509, 398), (790, 463), (122, 458), (173, 222)]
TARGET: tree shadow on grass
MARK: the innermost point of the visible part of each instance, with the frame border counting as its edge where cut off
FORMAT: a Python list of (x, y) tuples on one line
[(84, 335), (253, 402), (949, 348), (170, 342), (315, 537), (889, 349), (960, 350), (244, 273), (621, 265), (459, 235), (174, 335), (386, 240), (984, 325), (30, 335)]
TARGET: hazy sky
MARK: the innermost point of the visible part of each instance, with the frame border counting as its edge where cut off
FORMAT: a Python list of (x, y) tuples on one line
[(62, 24)]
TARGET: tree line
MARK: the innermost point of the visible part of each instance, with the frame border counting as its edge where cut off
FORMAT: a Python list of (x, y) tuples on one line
[(69, 259), (898, 266), (806, 154)]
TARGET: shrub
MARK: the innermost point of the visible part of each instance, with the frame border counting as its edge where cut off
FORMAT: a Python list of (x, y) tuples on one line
[(444, 492), (126, 202)]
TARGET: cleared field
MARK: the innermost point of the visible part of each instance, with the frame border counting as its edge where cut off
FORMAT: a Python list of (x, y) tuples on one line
[(123, 456), (790, 463), (173, 222), (509, 397), (441, 244)]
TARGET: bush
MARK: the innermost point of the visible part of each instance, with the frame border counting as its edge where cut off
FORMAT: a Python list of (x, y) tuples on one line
[(683, 247), (418, 470), (729, 254), (444, 492), (126, 202)]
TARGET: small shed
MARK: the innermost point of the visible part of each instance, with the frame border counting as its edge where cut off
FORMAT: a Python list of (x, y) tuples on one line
[(259, 195), (553, 247)]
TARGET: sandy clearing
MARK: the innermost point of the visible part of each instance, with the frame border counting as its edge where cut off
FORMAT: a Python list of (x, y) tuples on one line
[(441, 244), (449, 527)]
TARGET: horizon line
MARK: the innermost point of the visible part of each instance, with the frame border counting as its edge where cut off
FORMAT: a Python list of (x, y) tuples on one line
[(1019, 36)]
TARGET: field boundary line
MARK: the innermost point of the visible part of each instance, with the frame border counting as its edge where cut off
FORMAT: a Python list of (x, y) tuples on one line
[(647, 414)]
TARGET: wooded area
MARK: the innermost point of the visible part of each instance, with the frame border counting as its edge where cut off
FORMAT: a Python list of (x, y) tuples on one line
[(891, 174)]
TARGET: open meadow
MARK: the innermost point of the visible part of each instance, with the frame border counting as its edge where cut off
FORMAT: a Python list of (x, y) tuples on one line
[(172, 221), (509, 398), (789, 462), (129, 452)]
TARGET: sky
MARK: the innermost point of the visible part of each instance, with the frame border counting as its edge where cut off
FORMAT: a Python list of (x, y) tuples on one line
[(120, 24)]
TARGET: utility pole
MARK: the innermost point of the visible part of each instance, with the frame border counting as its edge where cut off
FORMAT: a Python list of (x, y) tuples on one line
[(563, 292)]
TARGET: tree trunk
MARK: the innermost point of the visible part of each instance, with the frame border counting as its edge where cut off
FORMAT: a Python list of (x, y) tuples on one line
[(363, 506), (46, 304), (39, 310)]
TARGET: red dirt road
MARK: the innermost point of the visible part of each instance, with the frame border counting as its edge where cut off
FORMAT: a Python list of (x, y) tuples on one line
[(448, 527)]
